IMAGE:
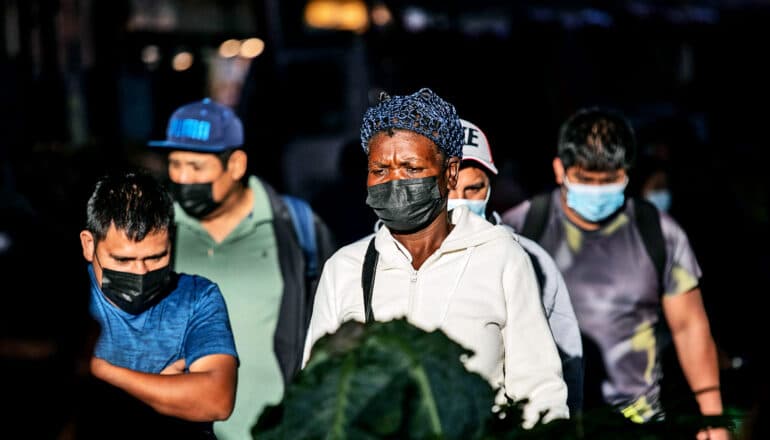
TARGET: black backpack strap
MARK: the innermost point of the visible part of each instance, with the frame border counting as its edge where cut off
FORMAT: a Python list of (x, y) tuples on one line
[(296, 299), (367, 279), (537, 217), (172, 231), (648, 222), (304, 226)]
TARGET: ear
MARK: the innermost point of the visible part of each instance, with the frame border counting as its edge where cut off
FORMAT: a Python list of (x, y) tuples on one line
[(88, 244), (452, 171), (236, 164), (558, 171)]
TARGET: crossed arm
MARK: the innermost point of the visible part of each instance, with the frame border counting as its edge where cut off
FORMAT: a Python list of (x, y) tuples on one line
[(205, 393)]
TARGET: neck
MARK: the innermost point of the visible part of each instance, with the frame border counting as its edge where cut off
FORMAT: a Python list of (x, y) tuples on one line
[(423, 243)]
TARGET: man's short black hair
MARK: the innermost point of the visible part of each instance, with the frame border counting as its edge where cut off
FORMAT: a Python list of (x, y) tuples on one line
[(597, 139), (134, 201)]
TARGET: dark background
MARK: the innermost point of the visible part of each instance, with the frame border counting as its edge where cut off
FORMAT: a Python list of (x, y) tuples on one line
[(77, 100)]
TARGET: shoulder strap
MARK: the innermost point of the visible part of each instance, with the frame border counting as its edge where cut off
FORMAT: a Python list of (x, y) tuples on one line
[(367, 279), (296, 303), (537, 217), (172, 238), (648, 222), (302, 219)]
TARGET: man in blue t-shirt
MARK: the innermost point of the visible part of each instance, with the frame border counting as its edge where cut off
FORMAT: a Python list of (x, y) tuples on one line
[(165, 337)]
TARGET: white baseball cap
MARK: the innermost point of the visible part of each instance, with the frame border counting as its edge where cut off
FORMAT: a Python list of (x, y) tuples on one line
[(476, 146)]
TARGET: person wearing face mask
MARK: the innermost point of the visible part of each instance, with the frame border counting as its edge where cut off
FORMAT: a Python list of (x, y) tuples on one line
[(165, 336), (263, 250), (473, 190), (627, 303), (454, 272), (653, 176)]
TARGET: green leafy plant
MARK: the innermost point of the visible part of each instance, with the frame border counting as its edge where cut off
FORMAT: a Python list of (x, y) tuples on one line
[(392, 380)]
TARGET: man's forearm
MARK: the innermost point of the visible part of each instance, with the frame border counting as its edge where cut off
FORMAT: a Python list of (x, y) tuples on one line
[(698, 357), (195, 396)]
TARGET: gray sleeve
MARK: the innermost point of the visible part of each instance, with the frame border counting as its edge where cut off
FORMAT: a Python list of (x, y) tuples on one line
[(515, 216), (561, 319), (682, 269)]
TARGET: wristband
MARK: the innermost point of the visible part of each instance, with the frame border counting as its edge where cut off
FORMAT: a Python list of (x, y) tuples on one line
[(706, 390)]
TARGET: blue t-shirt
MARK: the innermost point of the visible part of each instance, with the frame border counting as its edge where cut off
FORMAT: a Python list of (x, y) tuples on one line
[(189, 323)]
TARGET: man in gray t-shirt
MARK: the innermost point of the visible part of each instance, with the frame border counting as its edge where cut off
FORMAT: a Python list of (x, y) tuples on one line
[(591, 232), (614, 289)]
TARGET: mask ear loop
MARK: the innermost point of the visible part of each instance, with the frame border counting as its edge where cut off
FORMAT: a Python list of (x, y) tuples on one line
[(96, 258)]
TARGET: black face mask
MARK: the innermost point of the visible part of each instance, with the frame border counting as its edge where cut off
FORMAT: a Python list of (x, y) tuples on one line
[(406, 205), (196, 199), (132, 292)]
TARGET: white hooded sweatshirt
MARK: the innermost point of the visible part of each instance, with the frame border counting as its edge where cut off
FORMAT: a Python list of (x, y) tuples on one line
[(478, 287)]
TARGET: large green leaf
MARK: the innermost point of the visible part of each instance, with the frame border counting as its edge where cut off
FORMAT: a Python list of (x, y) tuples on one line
[(394, 381), (382, 380)]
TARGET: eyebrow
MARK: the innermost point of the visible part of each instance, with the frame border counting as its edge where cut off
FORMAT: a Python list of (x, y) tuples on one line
[(149, 257), (586, 174), (402, 162), (196, 162), (411, 159), (412, 163)]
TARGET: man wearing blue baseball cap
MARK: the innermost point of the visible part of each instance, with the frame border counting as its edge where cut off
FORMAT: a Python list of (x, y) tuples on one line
[(264, 251), (454, 272)]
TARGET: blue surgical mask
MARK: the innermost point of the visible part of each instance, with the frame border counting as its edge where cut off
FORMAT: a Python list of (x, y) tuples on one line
[(478, 207), (660, 198), (595, 202)]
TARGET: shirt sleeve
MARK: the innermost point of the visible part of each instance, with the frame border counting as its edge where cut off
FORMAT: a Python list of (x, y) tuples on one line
[(209, 330), (682, 270), (532, 364), (325, 318), (515, 216)]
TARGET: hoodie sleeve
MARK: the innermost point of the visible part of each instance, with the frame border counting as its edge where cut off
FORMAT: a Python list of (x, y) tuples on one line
[(532, 366), (325, 318)]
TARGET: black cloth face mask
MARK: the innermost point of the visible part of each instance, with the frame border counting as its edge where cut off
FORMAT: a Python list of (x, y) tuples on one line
[(132, 292), (197, 199), (406, 205)]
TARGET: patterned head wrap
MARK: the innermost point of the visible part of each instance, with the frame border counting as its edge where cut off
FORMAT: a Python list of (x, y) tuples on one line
[(422, 112)]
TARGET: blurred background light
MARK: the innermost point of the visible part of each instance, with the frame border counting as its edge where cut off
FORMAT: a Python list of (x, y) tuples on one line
[(381, 15), (229, 48), (345, 15), (182, 61), (415, 19), (150, 54), (252, 47)]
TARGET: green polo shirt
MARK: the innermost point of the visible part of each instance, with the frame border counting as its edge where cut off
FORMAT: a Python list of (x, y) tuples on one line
[(245, 266)]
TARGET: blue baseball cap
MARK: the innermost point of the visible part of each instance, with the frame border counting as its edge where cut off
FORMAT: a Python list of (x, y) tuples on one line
[(203, 126)]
